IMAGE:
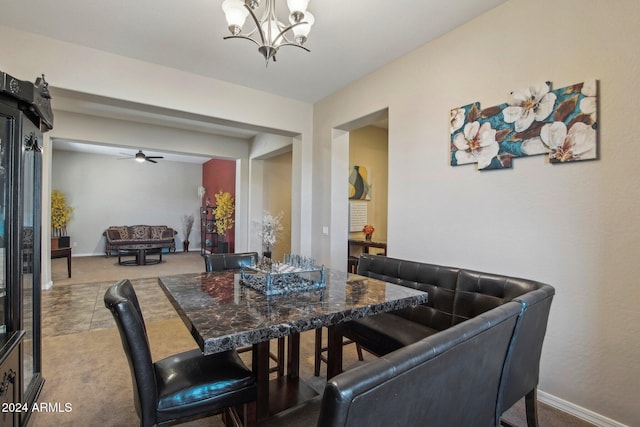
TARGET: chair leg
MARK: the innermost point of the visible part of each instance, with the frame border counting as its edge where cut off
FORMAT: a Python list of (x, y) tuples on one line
[(280, 357), (319, 349), (231, 417), (317, 353), (531, 405), (359, 350)]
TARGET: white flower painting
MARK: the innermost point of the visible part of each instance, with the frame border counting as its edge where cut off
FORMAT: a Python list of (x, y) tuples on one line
[(536, 120)]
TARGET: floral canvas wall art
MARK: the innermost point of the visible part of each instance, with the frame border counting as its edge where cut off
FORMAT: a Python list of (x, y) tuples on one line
[(536, 120)]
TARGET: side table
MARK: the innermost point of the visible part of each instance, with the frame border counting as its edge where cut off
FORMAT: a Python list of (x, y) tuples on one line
[(63, 253)]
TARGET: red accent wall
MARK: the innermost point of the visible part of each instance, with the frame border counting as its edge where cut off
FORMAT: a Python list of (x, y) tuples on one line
[(220, 175)]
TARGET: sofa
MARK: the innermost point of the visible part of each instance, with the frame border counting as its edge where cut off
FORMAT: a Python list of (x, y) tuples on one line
[(452, 378), (457, 296), (118, 236)]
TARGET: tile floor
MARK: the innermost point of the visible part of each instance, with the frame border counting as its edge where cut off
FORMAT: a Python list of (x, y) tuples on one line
[(73, 309)]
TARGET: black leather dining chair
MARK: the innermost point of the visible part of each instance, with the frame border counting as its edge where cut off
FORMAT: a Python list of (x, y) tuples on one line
[(183, 386), (231, 261), (235, 261)]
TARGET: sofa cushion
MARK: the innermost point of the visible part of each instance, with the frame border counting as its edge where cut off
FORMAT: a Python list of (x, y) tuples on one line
[(157, 232), (117, 233), (139, 232)]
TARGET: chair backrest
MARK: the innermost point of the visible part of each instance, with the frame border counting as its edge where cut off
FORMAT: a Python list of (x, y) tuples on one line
[(477, 292), (452, 378), (217, 262), (438, 281), (523, 367), (120, 299)]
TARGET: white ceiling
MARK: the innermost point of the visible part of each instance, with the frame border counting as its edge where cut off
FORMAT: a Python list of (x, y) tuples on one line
[(349, 40), (124, 153)]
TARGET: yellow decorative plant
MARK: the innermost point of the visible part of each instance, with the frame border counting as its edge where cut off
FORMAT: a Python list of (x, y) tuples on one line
[(60, 213), (225, 205)]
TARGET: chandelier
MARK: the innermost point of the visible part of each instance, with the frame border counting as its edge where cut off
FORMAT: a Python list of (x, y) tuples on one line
[(269, 33)]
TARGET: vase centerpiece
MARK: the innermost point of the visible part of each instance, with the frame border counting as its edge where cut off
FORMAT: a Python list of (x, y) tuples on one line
[(269, 232), (223, 214)]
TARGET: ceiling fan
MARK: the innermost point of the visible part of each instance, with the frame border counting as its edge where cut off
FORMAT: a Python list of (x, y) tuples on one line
[(141, 157)]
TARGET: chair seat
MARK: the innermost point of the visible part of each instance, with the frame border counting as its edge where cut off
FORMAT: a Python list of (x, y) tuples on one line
[(189, 381), (384, 333)]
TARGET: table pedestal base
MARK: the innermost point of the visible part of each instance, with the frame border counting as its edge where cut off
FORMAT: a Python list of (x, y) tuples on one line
[(282, 392)]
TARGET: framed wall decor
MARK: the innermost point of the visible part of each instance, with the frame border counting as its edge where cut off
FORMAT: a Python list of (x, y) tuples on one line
[(561, 123), (359, 187)]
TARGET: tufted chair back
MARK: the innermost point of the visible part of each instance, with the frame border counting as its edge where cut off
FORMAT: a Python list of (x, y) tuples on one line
[(479, 292), (438, 281), (216, 262), (126, 312)]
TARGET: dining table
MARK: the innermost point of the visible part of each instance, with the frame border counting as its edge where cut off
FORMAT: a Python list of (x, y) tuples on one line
[(223, 314)]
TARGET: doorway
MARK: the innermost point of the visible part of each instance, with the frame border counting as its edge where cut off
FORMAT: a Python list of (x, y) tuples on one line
[(341, 165)]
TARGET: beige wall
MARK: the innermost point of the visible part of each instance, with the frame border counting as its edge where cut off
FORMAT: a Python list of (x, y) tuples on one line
[(368, 147), (277, 198), (574, 226)]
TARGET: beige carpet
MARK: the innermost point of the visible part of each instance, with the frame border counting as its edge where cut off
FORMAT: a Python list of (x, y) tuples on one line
[(84, 364)]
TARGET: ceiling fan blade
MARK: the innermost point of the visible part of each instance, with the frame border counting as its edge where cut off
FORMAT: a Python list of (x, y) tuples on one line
[(148, 159), (155, 157), (125, 158)]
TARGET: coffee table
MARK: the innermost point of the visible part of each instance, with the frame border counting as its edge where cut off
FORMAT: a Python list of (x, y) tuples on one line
[(140, 252)]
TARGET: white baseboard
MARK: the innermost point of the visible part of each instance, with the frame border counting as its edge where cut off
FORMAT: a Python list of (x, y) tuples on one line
[(48, 285), (577, 411)]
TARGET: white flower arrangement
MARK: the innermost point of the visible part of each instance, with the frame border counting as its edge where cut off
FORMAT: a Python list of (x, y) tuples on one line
[(271, 229)]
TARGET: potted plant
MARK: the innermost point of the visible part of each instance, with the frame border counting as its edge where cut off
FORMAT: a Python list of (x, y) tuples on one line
[(187, 226), (270, 231), (223, 214), (60, 217)]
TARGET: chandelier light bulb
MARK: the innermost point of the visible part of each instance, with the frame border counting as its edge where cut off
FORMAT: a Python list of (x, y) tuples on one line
[(298, 9), (301, 31), (236, 14)]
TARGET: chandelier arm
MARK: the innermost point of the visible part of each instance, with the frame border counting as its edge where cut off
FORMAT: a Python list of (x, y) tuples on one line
[(294, 44), (282, 34), (242, 37), (255, 19)]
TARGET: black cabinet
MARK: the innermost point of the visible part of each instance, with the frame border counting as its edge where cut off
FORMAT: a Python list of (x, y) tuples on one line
[(25, 112)]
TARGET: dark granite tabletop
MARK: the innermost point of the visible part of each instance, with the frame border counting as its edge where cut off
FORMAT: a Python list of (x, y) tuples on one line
[(222, 314)]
